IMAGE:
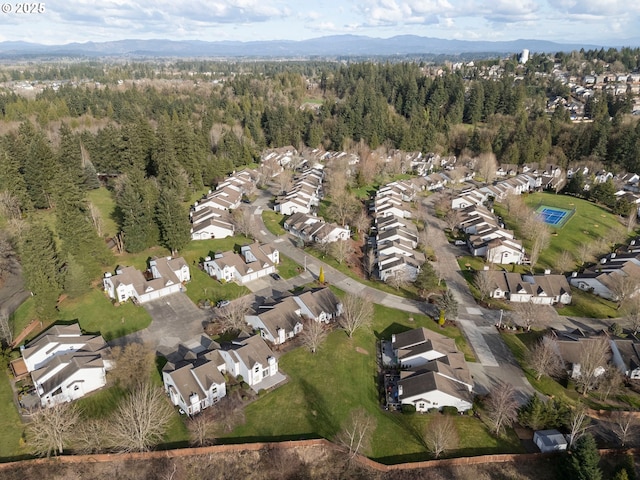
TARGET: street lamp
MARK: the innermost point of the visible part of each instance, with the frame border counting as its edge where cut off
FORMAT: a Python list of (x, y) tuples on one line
[(500, 320)]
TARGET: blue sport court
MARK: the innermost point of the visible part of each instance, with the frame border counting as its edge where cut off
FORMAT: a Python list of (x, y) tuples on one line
[(554, 216)]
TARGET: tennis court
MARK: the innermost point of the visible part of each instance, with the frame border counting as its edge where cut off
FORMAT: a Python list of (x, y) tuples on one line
[(554, 216)]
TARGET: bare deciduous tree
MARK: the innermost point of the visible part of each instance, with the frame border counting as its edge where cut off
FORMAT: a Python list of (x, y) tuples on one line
[(10, 205), (544, 359), (232, 317), (357, 312), (502, 407), (96, 218), (441, 435), (528, 314), (452, 218), (632, 221), (369, 262), (623, 286), (6, 334), (201, 429), (343, 206), (356, 432), (313, 335), (486, 166), (485, 282), (632, 313), (360, 221), (141, 420), (341, 250), (539, 243), (577, 423), (284, 180), (89, 437), (243, 222), (593, 358), (610, 382), (565, 262), (397, 279), (584, 253), (625, 426), (52, 429), (133, 364)]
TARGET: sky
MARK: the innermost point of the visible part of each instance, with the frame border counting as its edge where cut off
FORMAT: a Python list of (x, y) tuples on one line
[(599, 22)]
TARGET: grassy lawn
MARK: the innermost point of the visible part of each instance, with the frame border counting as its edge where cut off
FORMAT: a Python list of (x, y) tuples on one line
[(10, 423), (585, 304), (273, 221), (589, 223), (95, 313), (104, 201), (325, 387), (287, 268)]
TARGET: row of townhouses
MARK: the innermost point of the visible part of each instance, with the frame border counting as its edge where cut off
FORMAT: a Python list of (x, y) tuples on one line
[(165, 276), (617, 274), (254, 261), (396, 234), (544, 289), (210, 216), (194, 378), (305, 195), (313, 229), (433, 373), (282, 320)]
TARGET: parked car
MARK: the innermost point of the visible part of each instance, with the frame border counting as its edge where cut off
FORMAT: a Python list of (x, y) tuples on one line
[(275, 276), (459, 243), (222, 303)]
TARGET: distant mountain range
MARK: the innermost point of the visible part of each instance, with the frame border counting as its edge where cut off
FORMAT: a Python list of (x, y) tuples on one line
[(329, 46)]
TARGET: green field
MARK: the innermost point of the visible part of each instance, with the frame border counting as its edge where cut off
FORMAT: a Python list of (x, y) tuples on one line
[(103, 200), (287, 268), (273, 221), (10, 424), (323, 389), (589, 224)]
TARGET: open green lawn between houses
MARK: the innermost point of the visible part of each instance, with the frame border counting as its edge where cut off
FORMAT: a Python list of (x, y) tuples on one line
[(323, 389), (589, 224), (273, 221)]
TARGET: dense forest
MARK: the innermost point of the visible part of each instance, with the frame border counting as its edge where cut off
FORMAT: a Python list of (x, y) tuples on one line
[(166, 136)]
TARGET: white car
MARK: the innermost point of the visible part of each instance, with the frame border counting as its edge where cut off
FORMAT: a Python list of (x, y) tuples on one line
[(459, 243)]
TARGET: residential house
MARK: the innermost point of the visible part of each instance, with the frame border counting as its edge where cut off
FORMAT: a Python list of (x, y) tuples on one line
[(604, 283), (310, 228), (194, 380), (165, 276), (65, 364), (415, 348), (283, 320), (626, 356), (305, 194), (539, 289), (252, 359), (254, 261), (571, 345), (434, 374)]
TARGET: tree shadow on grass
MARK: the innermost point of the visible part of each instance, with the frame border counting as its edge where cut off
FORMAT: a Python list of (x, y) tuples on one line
[(391, 330), (318, 412)]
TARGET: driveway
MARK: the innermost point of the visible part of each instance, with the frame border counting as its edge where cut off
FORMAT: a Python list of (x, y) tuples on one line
[(175, 319)]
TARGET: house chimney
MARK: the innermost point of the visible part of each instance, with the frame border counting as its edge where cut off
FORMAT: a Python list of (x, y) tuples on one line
[(547, 271), (574, 274)]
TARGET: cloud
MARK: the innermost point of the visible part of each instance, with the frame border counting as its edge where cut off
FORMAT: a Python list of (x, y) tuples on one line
[(390, 12), (597, 8), (510, 11), (165, 16)]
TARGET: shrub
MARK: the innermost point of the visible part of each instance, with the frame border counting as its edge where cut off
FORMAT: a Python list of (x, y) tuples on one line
[(433, 410), (449, 410), (262, 392), (240, 378), (244, 385), (408, 409)]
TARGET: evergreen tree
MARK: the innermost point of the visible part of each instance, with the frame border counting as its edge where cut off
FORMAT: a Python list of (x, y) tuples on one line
[(76, 282), (136, 209), (173, 220), (41, 172), (583, 461), (427, 280), (40, 264)]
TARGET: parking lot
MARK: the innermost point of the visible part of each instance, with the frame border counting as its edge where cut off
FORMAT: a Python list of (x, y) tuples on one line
[(176, 319)]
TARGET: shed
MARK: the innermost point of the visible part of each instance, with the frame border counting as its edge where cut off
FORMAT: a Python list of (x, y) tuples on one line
[(550, 440)]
